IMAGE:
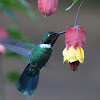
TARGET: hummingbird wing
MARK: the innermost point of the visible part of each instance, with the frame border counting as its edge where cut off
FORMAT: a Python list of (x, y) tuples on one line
[(24, 49)]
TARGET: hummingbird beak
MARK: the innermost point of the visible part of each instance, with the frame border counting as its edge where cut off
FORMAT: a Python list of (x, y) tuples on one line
[(61, 32), (56, 35)]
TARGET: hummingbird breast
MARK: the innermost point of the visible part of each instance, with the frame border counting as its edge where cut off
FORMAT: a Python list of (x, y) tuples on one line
[(40, 56)]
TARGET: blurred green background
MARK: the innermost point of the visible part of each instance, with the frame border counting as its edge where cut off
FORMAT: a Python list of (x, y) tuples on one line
[(57, 81)]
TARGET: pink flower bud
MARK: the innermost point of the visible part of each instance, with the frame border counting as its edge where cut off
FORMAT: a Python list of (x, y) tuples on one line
[(2, 49), (47, 7), (3, 36), (75, 36)]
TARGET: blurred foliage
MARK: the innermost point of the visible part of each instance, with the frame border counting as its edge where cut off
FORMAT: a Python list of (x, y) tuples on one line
[(15, 33), (74, 1), (7, 6), (12, 54), (13, 76), (22, 5)]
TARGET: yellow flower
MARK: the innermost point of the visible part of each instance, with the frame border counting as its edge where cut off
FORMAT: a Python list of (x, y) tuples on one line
[(72, 55), (75, 38)]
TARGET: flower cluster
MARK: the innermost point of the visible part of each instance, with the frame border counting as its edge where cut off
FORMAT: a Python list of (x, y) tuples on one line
[(75, 38)]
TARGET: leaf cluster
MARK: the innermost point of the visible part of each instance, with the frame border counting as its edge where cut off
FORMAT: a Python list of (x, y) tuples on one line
[(22, 5)]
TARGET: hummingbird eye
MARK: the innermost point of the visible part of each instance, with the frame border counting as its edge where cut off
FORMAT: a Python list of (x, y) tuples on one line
[(49, 35)]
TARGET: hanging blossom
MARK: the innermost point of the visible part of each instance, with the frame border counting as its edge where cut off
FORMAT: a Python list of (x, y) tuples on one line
[(75, 38), (3, 35), (47, 7)]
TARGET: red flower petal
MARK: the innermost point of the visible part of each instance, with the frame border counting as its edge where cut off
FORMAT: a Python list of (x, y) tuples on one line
[(47, 7), (75, 36)]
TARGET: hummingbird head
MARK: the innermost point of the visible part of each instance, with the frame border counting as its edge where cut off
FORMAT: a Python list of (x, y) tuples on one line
[(50, 38)]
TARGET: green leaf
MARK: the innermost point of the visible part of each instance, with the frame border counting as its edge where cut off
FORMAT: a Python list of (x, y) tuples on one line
[(15, 33), (11, 14), (74, 1), (25, 3), (30, 14), (11, 3), (13, 76), (22, 5), (1, 7), (12, 54)]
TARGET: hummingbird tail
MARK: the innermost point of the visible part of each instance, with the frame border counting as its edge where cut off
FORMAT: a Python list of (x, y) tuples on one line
[(28, 81)]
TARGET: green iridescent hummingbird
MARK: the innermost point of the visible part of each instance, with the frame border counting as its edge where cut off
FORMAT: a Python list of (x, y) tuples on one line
[(38, 54)]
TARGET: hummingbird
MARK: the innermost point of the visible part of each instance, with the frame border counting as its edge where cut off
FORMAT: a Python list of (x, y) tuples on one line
[(38, 57)]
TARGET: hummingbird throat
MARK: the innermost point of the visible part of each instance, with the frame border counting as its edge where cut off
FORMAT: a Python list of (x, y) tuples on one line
[(45, 46)]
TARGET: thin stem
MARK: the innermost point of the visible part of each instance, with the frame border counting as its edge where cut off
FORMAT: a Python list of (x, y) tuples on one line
[(78, 12)]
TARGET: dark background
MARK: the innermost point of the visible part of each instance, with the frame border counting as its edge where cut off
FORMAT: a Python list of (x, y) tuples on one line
[(57, 81)]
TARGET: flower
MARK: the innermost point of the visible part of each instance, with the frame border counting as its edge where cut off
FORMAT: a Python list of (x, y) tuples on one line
[(2, 49), (47, 7), (75, 38), (3, 35)]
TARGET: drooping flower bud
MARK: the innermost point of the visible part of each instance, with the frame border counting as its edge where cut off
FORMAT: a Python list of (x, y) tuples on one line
[(75, 38), (47, 7), (3, 36)]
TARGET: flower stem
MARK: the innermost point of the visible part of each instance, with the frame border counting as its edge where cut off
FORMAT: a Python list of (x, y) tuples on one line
[(78, 12)]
